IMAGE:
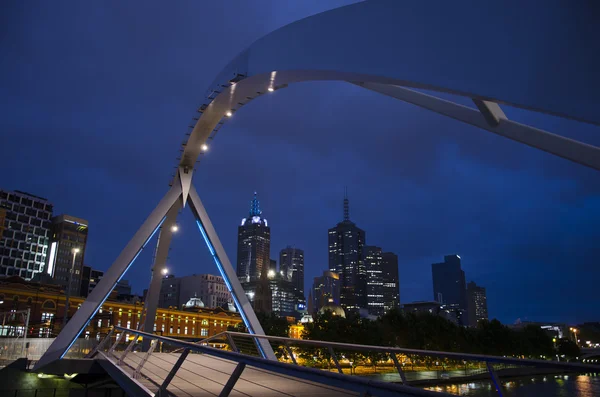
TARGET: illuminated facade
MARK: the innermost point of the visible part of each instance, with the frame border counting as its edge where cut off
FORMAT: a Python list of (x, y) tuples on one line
[(291, 266), (477, 303), (24, 242), (254, 245), (47, 303), (324, 288), (374, 266), (67, 234), (391, 282), (346, 242)]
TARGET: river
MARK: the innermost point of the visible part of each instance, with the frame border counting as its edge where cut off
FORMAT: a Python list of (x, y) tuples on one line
[(547, 386)]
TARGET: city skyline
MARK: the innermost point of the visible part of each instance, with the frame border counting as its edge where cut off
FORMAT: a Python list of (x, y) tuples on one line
[(422, 186)]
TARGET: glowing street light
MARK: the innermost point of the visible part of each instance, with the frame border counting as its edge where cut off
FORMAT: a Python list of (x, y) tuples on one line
[(271, 273)]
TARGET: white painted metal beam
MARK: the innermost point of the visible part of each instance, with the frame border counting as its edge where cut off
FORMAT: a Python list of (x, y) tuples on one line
[(160, 260), (94, 301), (494, 120), (228, 273)]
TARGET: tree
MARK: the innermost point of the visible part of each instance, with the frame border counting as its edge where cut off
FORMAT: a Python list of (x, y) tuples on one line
[(567, 348)]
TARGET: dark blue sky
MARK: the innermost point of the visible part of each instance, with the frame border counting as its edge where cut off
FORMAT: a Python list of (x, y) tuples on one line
[(95, 99)]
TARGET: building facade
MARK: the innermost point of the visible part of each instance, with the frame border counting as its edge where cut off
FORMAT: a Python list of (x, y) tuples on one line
[(449, 287), (211, 289), (325, 287), (346, 258), (47, 304), (274, 294), (254, 245), (374, 265), (89, 279), (24, 242), (68, 239), (477, 303), (291, 266), (391, 282)]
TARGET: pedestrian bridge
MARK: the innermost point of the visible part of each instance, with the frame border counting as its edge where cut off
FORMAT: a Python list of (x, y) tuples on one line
[(178, 368)]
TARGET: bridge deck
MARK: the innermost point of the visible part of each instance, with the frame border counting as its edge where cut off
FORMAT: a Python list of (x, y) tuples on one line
[(204, 375)]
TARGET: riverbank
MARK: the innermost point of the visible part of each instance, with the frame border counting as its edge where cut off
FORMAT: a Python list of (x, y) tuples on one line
[(503, 374)]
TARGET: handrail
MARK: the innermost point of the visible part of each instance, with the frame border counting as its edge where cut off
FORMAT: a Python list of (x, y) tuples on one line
[(346, 382), (460, 356)]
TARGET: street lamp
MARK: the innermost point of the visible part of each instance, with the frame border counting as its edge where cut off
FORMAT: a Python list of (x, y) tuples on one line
[(75, 251)]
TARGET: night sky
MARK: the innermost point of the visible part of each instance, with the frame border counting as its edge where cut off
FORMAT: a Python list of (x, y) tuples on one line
[(96, 98)]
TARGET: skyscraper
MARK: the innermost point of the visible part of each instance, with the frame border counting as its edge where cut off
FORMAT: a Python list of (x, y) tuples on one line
[(291, 266), (449, 287), (25, 238), (477, 303), (68, 241), (391, 282), (374, 266), (346, 242), (324, 288), (254, 244)]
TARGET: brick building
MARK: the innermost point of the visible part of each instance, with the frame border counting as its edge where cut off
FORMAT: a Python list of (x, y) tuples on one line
[(47, 304)]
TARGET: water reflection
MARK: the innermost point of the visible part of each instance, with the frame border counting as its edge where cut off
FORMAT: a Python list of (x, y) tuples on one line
[(550, 386)]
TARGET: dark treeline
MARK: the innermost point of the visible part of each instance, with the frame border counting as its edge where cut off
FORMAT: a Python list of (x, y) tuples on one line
[(431, 332)]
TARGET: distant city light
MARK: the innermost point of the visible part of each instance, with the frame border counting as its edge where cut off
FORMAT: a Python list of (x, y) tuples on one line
[(229, 114), (271, 273), (251, 294), (204, 147)]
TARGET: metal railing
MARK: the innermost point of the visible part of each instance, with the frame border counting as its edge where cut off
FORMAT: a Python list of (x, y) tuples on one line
[(136, 367), (294, 353), (473, 364)]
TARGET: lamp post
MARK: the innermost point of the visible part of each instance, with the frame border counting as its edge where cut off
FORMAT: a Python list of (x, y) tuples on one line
[(68, 294)]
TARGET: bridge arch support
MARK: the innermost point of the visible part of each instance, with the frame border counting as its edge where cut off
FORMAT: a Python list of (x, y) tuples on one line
[(543, 59)]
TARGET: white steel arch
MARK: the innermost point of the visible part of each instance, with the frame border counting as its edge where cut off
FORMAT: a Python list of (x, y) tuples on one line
[(545, 60)]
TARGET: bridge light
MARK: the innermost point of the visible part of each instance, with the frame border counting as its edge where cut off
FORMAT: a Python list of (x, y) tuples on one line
[(174, 228), (165, 271), (229, 114), (204, 147), (271, 89)]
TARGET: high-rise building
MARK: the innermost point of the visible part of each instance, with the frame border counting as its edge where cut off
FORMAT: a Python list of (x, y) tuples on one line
[(324, 288), (68, 238), (254, 245), (169, 292), (374, 265), (449, 287), (210, 289), (291, 266), (391, 282), (274, 294), (89, 279), (477, 303), (25, 239), (346, 242)]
